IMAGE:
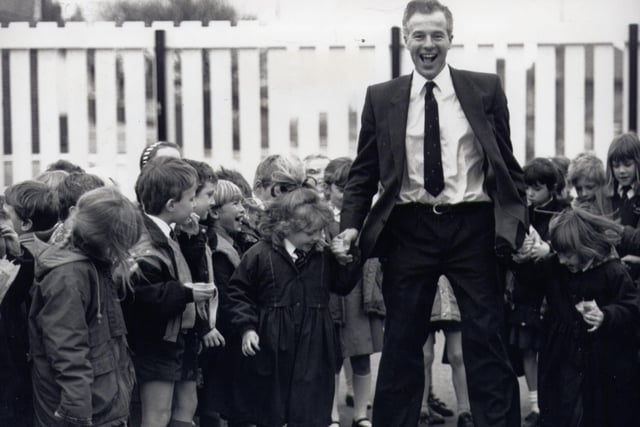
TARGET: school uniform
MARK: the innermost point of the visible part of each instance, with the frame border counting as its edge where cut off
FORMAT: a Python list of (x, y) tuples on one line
[(523, 313), (588, 378), (160, 313), (290, 380)]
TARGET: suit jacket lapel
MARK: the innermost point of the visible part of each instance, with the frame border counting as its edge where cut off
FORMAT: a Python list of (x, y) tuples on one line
[(398, 110)]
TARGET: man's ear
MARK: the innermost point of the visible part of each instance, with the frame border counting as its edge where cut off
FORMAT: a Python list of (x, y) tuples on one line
[(26, 225), (170, 205), (214, 214)]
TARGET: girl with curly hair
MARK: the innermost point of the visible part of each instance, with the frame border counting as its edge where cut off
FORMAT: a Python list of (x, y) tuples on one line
[(278, 298)]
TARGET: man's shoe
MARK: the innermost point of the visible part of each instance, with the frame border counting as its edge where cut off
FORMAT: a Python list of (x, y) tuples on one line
[(430, 419), (465, 420), (439, 406), (531, 420)]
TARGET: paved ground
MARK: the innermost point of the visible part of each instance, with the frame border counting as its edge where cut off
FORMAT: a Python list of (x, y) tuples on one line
[(441, 383)]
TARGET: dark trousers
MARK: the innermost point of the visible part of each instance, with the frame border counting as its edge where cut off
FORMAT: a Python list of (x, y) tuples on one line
[(421, 246)]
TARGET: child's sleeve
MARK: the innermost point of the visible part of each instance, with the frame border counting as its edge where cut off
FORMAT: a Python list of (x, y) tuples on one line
[(622, 315), (156, 290), (346, 277), (193, 249), (65, 335), (242, 295)]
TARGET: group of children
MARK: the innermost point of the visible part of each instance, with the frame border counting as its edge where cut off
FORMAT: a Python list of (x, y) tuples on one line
[(213, 299), (573, 311)]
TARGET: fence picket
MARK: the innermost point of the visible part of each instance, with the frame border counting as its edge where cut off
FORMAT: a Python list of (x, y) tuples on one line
[(516, 91), (77, 106), (603, 105), (135, 128), (249, 111), (278, 90), (48, 111), (106, 108), (21, 120), (574, 100), (221, 107), (545, 102), (192, 104)]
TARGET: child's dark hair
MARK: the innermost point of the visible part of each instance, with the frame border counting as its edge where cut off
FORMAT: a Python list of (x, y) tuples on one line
[(334, 165), (544, 171), (149, 152), (34, 201), (585, 234), (623, 147), (341, 174), (71, 188), (297, 210), (205, 173), (65, 165), (162, 179), (237, 178)]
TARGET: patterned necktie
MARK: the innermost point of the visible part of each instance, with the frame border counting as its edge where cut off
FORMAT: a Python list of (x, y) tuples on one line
[(433, 175), (301, 257)]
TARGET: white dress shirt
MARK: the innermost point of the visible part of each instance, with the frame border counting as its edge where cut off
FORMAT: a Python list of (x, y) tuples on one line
[(462, 155)]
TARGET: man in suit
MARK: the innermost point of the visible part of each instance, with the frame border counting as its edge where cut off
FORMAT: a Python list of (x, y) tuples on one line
[(436, 145)]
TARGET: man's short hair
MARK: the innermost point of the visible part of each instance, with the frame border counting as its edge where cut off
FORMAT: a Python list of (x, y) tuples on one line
[(426, 7), (34, 201), (162, 179)]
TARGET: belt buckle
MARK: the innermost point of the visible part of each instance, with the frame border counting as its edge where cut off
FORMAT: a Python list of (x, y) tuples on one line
[(445, 208)]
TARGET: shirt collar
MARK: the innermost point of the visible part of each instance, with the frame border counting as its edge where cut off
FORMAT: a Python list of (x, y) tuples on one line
[(162, 225), (443, 82), (290, 249)]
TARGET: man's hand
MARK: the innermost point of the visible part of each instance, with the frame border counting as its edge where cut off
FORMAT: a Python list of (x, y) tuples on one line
[(214, 339), (341, 244), (250, 343)]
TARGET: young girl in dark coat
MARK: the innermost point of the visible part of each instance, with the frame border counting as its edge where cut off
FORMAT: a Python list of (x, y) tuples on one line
[(588, 362), (279, 301), (545, 184)]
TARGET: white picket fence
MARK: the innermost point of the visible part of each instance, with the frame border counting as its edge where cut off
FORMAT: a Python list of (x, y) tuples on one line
[(298, 92)]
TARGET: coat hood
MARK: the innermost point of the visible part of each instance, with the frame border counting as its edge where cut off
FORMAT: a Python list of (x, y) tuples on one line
[(47, 256)]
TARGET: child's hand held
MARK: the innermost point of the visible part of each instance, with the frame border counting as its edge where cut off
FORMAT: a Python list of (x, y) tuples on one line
[(250, 343), (214, 339)]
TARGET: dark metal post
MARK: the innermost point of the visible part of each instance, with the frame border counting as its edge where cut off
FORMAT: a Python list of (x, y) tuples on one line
[(161, 85), (633, 77), (395, 52)]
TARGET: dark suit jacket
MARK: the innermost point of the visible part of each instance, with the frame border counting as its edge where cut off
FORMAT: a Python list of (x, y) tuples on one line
[(381, 158)]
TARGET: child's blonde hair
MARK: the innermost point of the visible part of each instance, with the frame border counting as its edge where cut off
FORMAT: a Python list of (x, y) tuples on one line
[(226, 192), (105, 226), (590, 236), (623, 147), (300, 209)]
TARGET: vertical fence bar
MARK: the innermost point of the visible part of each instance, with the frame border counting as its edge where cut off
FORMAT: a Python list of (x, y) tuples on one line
[(161, 84), (395, 52), (633, 77)]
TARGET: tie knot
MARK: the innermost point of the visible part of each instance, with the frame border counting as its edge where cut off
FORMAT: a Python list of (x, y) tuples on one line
[(429, 86)]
